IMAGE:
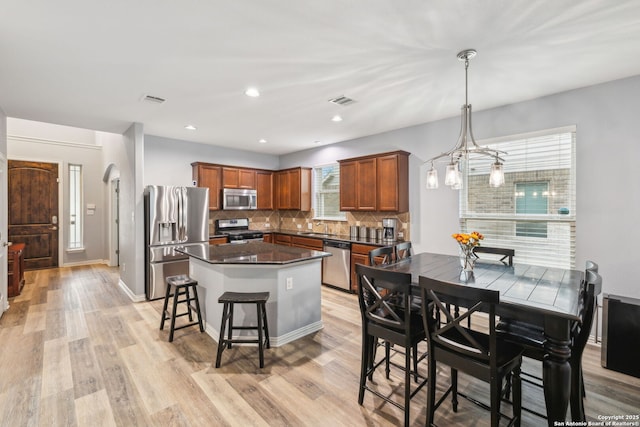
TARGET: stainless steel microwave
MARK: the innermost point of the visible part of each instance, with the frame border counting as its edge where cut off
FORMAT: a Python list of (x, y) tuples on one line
[(234, 199)]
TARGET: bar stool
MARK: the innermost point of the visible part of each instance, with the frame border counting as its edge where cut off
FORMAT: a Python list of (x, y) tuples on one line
[(182, 284), (231, 298)]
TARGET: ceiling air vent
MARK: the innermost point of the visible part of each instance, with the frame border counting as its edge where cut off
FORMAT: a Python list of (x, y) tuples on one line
[(154, 99), (342, 100)]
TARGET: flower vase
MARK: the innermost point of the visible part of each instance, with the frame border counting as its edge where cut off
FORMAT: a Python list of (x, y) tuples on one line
[(467, 258)]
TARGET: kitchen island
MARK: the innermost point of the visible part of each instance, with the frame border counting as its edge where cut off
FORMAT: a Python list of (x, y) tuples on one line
[(292, 276)]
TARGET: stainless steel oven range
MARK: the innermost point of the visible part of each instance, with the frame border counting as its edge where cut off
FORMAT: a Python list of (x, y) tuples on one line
[(237, 230)]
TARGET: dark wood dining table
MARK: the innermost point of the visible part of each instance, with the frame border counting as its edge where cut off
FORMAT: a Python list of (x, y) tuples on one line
[(545, 296)]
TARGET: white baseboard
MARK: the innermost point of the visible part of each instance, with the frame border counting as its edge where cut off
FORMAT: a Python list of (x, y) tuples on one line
[(133, 297), (87, 262), (274, 341)]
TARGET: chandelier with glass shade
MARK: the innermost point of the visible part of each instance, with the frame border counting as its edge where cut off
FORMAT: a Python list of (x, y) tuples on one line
[(466, 146)]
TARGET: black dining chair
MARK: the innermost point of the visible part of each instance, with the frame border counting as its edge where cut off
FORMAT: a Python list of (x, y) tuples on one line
[(507, 254), (383, 317), (381, 256), (402, 250), (531, 337), (474, 352)]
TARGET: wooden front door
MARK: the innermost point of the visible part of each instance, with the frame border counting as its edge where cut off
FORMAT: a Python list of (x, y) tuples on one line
[(33, 211)]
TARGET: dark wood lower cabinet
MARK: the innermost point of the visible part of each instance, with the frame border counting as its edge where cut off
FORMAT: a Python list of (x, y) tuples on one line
[(218, 241), (359, 255), (15, 269)]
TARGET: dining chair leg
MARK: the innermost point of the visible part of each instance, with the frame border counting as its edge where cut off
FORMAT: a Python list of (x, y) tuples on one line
[(517, 397), (431, 391), (372, 347), (387, 355), (407, 383), (454, 389), (495, 402), (364, 366), (576, 400)]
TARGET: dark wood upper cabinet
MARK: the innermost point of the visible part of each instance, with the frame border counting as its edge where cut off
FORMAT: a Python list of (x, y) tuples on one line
[(393, 182), (358, 185), (285, 189), (238, 178), (349, 185), (264, 187), (375, 183), (293, 189), (209, 176)]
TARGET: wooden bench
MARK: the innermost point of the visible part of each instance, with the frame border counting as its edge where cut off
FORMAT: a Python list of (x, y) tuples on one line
[(506, 253)]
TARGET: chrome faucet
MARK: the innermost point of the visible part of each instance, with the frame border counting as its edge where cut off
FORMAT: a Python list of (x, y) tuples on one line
[(326, 227)]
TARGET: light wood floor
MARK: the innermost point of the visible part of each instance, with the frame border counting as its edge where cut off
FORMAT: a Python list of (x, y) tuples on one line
[(75, 351)]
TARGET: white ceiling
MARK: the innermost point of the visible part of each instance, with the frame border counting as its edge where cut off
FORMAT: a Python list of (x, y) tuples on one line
[(88, 63)]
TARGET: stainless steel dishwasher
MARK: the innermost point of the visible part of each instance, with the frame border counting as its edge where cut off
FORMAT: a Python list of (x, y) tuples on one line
[(336, 269)]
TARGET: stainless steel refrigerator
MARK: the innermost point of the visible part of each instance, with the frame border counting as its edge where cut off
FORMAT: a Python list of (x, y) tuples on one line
[(174, 216)]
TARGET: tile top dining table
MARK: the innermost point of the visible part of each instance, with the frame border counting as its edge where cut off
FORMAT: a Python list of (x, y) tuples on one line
[(545, 296)]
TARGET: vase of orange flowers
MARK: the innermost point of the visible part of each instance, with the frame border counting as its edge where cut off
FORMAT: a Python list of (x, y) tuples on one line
[(467, 242)]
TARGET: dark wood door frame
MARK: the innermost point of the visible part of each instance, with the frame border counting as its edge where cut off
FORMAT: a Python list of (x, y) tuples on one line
[(34, 211)]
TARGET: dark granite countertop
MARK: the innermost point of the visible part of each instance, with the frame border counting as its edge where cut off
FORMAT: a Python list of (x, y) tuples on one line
[(341, 237), (251, 252)]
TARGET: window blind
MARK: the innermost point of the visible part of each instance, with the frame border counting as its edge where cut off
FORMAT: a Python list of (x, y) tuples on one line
[(326, 192), (534, 212)]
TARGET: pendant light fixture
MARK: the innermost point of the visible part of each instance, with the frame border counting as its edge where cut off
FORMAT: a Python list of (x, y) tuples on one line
[(466, 146)]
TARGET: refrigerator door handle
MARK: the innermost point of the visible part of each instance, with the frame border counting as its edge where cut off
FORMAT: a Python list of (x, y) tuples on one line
[(182, 211)]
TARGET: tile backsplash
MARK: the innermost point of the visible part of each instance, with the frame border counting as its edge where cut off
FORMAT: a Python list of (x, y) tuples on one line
[(267, 220)]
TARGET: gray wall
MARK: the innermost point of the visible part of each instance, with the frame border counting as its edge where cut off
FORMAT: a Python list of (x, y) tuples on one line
[(4, 303), (168, 161), (127, 155), (608, 181)]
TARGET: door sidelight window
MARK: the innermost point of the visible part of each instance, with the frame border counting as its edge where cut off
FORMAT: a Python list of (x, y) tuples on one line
[(75, 206)]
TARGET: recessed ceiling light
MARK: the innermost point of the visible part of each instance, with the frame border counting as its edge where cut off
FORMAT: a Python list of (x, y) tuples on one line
[(317, 142), (262, 141), (336, 118), (252, 92), (190, 127)]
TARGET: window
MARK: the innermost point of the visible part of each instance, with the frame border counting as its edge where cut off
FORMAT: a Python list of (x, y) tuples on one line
[(326, 193), (532, 198), (75, 206), (534, 212)]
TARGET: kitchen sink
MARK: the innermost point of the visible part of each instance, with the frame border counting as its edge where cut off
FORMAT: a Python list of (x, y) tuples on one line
[(313, 234)]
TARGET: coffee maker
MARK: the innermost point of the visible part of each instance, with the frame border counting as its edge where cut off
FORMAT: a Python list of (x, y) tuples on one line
[(390, 229)]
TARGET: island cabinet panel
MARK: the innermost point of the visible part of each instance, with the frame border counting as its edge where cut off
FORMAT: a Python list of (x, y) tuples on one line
[(282, 239), (307, 243), (209, 176), (378, 182), (239, 178), (264, 188), (218, 241), (294, 189), (267, 237), (359, 255)]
